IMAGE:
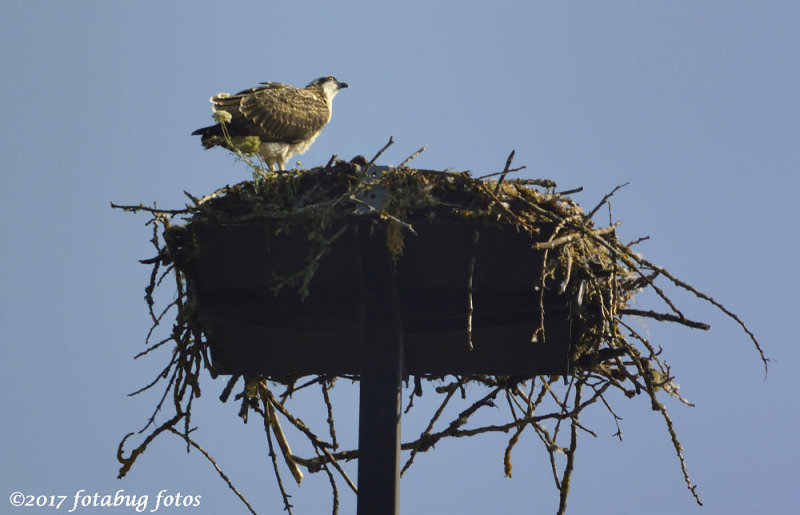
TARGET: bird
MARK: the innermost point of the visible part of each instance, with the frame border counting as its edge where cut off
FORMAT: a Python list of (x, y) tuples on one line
[(274, 119)]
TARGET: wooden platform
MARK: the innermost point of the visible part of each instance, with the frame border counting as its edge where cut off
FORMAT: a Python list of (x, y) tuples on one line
[(251, 331)]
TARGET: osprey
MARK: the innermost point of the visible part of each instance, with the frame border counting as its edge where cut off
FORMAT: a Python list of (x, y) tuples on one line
[(284, 119)]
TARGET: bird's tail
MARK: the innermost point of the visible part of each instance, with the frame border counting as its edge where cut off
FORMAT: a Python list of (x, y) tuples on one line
[(210, 136)]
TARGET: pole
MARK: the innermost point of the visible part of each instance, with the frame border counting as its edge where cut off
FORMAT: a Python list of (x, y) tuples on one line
[(381, 376)]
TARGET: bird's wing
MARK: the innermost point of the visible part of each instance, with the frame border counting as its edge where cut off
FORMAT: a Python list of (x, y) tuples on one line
[(278, 111)]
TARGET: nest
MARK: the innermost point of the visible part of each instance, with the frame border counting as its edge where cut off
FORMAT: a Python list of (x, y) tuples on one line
[(583, 260)]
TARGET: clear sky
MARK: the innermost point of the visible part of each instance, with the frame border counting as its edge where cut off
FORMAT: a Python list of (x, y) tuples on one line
[(694, 103)]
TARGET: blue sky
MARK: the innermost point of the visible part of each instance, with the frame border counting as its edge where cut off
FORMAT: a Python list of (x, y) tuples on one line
[(694, 103)]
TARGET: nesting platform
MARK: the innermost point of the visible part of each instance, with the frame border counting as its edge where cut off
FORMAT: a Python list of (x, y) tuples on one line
[(251, 330), (376, 274)]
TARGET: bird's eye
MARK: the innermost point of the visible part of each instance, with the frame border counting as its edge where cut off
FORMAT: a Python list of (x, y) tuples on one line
[(330, 78)]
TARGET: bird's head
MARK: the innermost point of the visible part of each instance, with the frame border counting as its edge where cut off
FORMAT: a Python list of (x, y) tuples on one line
[(330, 86)]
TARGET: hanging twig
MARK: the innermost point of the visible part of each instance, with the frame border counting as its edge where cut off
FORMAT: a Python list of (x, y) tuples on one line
[(470, 273), (426, 433), (329, 407), (224, 477), (274, 458), (332, 461), (282, 442), (573, 444), (334, 488)]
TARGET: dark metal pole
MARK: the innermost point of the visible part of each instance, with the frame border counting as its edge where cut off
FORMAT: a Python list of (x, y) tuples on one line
[(381, 376)]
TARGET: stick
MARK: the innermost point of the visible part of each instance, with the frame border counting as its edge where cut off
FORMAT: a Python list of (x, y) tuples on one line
[(154, 210), (339, 468), (214, 463), (570, 192), (372, 161), (505, 171), (665, 317), (472, 259), (561, 240), (607, 196), (512, 170), (412, 156), (283, 444)]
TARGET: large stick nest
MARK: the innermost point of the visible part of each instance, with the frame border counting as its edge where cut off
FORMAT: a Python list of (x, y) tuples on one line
[(582, 259)]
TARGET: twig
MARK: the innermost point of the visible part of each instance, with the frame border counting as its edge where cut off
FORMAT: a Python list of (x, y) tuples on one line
[(161, 375), (384, 214), (568, 274), (426, 433), (153, 210), (194, 199), (679, 451), (282, 442), (226, 392), (296, 422), (538, 182), (637, 241), (153, 346), (375, 158), (412, 156), (470, 273), (607, 196), (339, 468), (334, 488), (567, 238), (430, 441), (127, 463), (511, 443), (504, 172), (764, 359), (665, 317), (514, 217), (535, 337), (570, 192), (274, 458), (565, 481), (329, 407), (224, 477)]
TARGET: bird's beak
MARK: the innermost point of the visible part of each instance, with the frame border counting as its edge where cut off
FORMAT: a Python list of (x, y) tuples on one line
[(343, 85)]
